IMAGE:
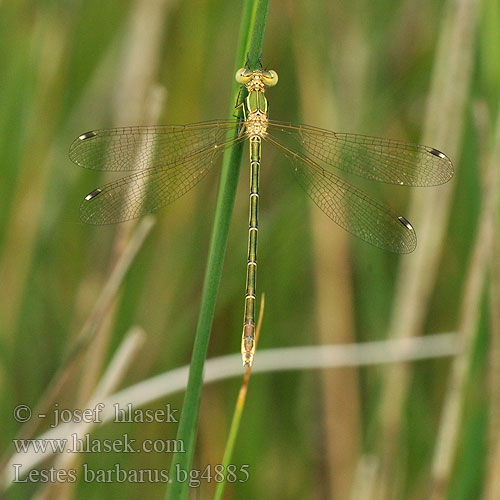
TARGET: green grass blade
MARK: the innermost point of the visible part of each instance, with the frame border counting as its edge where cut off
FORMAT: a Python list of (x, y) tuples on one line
[(224, 209)]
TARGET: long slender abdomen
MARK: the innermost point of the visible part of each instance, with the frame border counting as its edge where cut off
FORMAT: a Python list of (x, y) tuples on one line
[(248, 338)]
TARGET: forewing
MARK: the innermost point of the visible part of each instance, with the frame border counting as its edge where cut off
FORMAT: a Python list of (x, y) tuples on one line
[(383, 160), (148, 190), (350, 207), (140, 148)]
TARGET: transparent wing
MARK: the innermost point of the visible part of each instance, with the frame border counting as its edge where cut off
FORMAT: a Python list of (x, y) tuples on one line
[(148, 190), (350, 207), (383, 160), (138, 148)]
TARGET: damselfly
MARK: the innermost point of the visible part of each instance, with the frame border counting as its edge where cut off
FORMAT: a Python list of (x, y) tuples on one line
[(169, 160)]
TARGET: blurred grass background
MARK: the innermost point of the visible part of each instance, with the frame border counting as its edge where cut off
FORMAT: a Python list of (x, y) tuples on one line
[(361, 66)]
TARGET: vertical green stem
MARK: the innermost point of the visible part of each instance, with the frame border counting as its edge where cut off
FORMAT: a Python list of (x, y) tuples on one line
[(253, 22)]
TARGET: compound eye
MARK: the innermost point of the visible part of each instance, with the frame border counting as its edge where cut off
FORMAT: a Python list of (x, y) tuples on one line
[(270, 78), (243, 76)]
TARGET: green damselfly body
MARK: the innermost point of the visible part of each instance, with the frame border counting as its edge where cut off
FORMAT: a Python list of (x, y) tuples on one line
[(167, 161)]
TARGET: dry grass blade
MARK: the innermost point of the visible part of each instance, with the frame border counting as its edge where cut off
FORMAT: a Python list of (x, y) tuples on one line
[(270, 360), (492, 486), (115, 372), (364, 483), (333, 281), (468, 327), (429, 211), (91, 326), (137, 99)]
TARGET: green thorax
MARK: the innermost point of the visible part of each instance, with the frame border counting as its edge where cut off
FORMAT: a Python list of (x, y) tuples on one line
[(256, 102)]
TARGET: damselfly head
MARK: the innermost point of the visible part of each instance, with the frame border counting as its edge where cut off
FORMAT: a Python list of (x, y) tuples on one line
[(246, 76)]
